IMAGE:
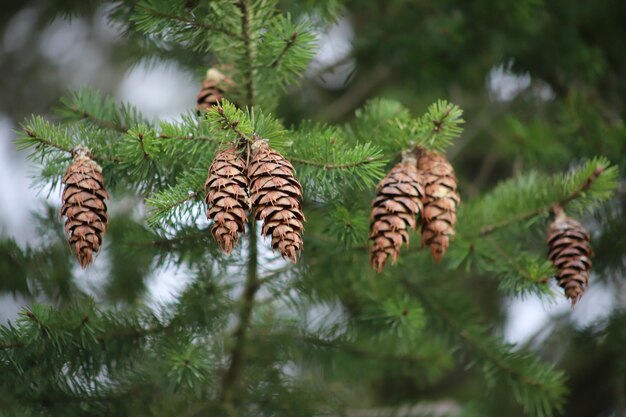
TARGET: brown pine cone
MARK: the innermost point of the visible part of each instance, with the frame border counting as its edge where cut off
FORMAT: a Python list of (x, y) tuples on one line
[(275, 194), (440, 202), (227, 197), (213, 89), (395, 210), (570, 253), (83, 206)]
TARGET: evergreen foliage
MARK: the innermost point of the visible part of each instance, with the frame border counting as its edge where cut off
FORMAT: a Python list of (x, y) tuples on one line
[(250, 334)]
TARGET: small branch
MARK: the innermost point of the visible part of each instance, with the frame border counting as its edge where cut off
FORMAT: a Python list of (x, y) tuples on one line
[(190, 22), (334, 166), (32, 134), (288, 44), (232, 125), (192, 137), (369, 354), (532, 213), (252, 285), (143, 149), (106, 124), (47, 142), (248, 45), (471, 339), (359, 91)]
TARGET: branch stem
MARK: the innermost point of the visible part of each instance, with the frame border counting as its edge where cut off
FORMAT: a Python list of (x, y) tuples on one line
[(252, 285), (288, 44), (544, 209), (333, 166)]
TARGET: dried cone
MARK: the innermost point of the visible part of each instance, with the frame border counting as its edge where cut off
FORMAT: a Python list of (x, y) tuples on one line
[(395, 210), (440, 202), (83, 206), (570, 253), (227, 197), (213, 88), (275, 194)]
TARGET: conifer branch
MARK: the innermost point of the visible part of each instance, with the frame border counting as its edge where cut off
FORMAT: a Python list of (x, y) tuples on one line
[(190, 22), (288, 44), (190, 138), (232, 125), (46, 142), (348, 165), (544, 209), (252, 285), (106, 124), (248, 45)]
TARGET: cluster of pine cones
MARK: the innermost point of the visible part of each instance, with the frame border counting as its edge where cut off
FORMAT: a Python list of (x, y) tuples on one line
[(267, 186), (420, 190)]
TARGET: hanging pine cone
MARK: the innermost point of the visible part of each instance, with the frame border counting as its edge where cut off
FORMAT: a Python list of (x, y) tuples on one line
[(83, 206), (395, 211), (440, 201), (570, 253), (275, 194), (227, 197), (213, 89)]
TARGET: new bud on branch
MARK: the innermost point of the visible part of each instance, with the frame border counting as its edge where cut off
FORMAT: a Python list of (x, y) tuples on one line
[(83, 206)]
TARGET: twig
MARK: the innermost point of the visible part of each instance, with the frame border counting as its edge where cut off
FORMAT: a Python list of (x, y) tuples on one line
[(190, 22), (355, 95), (192, 137), (471, 339), (532, 213), (334, 166), (107, 124), (288, 44)]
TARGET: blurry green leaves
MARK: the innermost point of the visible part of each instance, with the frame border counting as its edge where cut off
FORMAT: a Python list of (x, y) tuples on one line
[(188, 365)]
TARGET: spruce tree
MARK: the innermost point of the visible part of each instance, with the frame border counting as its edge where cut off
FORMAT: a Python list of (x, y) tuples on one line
[(256, 333)]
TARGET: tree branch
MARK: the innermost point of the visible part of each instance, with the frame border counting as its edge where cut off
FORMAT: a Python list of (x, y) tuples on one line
[(190, 22), (471, 339), (334, 166), (532, 213), (288, 44), (248, 45), (252, 285)]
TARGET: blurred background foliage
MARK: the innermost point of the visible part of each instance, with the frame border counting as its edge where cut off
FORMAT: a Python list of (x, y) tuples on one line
[(542, 85)]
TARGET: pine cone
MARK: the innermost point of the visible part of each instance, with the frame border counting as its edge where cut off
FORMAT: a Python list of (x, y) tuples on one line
[(83, 206), (570, 253), (227, 197), (395, 211), (275, 194), (213, 89), (440, 202)]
